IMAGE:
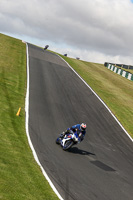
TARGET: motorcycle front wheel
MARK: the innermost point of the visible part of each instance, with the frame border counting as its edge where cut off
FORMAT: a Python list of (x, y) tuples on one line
[(68, 144), (58, 140)]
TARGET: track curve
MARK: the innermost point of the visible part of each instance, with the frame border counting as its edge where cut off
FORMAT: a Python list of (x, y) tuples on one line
[(101, 167)]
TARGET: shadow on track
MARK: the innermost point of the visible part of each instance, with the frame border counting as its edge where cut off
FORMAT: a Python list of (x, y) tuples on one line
[(95, 162), (75, 150)]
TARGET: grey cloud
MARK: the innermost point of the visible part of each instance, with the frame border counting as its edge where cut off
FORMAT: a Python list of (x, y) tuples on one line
[(102, 26)]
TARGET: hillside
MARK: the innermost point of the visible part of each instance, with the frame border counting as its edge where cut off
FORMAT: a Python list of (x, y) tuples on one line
[(115, 90)]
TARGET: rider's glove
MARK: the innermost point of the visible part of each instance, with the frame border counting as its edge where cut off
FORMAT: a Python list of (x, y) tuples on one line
[(62, 134)]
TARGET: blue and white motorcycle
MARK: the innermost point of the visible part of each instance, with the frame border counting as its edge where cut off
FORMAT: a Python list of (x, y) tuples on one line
[(68, 140)]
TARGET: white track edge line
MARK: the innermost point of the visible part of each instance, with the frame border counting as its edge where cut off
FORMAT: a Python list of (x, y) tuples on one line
[(27, 130), (98, 98)]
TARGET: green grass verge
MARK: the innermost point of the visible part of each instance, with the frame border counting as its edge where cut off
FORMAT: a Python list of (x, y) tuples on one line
[(115, 90), (20, 176)]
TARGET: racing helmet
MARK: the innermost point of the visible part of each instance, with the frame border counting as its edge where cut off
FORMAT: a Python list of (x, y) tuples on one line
[(83, 126)]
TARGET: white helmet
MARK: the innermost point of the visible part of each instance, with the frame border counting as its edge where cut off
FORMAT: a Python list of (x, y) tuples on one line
[(83, 126)]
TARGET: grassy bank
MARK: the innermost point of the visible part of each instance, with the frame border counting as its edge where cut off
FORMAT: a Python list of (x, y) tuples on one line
[(116, 91), (20, 176)]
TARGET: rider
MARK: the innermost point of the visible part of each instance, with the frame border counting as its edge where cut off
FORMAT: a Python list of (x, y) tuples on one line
[(81, 128)]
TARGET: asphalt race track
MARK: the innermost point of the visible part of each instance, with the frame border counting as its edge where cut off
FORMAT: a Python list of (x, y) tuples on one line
[(101, 167)]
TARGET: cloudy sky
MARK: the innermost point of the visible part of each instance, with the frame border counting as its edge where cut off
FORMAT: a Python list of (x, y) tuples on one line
[(93, 30)]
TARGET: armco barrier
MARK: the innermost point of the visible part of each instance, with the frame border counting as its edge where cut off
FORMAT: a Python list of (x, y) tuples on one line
[(119, 71)]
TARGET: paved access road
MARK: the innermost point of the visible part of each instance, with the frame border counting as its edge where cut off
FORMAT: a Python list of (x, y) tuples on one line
[(101, 167)]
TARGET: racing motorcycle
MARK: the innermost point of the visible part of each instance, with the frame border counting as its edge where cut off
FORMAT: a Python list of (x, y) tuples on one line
[(68, 140)]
